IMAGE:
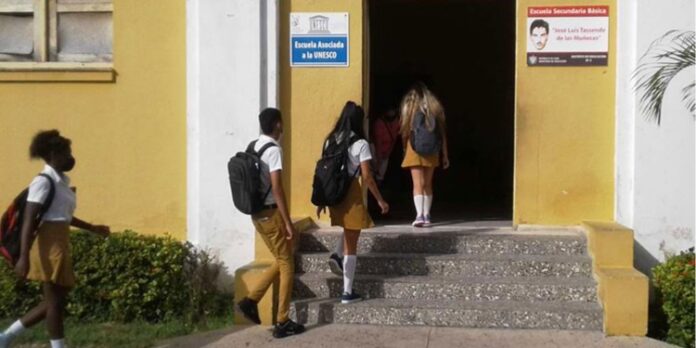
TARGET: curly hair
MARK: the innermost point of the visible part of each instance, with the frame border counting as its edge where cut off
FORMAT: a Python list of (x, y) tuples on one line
[(46, 143)]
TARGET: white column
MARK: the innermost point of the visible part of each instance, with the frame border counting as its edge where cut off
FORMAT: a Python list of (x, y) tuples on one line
[(232, 74), (270, 59), (192, 124), (626, 59)]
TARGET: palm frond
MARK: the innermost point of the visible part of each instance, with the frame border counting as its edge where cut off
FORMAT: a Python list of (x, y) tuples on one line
[(665, 58), (688, 98)]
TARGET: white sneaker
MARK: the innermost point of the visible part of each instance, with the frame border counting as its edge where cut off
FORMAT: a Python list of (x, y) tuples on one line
[(5, 341), (419, 222)]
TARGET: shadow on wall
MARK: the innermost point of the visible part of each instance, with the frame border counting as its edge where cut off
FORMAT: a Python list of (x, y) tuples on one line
[(643, 260)]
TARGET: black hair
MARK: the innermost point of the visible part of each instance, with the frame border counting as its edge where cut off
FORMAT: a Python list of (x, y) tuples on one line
[(268, 119), (46, 143), (351, 119), (539, 23)]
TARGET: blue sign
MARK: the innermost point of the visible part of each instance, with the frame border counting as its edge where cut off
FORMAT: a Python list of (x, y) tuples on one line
[(319, 39), (319, 50)]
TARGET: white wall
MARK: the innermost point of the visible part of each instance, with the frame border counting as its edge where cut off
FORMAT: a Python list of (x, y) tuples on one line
[(227, 87), (655, 175), (625, 111)]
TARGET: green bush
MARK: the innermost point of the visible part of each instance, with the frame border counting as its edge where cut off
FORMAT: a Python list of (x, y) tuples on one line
[(674, 281), (16, 297), (130, 277)]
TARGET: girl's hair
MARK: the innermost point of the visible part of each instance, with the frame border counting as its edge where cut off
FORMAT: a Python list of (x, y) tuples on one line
[(420, 98), (46, 143), (351, 120)]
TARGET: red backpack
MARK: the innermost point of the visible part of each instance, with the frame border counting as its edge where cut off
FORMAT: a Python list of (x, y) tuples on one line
[(384, 136), (12, 220)]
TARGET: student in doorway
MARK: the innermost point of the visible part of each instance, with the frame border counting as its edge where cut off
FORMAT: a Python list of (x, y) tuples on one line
[(421, 114), (351, 213), (384, 133), (45, 255), (275, 227)]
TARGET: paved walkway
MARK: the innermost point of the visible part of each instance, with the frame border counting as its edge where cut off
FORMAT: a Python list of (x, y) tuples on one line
[(364, 336)]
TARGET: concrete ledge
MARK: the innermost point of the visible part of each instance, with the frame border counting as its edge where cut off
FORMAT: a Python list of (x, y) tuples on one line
[(611, 244), (624, 296), (56, 72), (623, 291), (249, 274)]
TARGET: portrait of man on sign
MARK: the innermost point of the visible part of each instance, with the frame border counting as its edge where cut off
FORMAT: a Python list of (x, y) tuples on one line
[(539, 33)]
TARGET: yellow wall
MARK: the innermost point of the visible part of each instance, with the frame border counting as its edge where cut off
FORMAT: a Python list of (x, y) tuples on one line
[(129, 137), (312, 98), (564, 160)]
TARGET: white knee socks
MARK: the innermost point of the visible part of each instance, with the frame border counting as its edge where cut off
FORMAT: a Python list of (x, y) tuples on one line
[(349, 262), (15, 329), (58, 343), (339, 246), (427, 203), (418, 202)]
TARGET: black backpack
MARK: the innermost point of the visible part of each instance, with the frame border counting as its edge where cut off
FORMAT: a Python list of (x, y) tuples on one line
[(423, 140), (245, 179), (331, 177), (13, 219)]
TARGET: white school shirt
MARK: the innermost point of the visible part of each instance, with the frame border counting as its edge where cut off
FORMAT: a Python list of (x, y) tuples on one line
[(64, 201), (358, 152), (271, 161)]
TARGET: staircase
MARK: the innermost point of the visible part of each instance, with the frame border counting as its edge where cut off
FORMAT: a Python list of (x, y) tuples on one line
[(477, 277)]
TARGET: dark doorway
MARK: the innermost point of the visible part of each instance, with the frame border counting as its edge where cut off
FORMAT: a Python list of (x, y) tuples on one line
[(464, 50)]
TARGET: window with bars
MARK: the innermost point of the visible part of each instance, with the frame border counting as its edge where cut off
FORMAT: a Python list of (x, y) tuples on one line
[(56, 31)]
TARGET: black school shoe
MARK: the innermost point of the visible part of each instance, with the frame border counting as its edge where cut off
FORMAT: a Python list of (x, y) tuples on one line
[(287, 328), (336, 264), (250, 310), (347, 298)]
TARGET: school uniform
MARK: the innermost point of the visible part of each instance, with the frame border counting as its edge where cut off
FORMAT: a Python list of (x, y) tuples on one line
[(384, 134), (414, 159), (50, 258), (271, 227), (351, 213)]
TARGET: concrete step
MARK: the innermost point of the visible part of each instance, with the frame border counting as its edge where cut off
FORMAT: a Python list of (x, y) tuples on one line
[(453, 265), (483, 241), (472, 314), (530, 289)]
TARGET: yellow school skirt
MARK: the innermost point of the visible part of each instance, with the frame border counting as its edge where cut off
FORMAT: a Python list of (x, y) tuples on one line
[(413, 159), (351, 213), (49, 258)]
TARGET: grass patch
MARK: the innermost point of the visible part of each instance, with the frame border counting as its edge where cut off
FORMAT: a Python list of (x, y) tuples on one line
[(131, 335)]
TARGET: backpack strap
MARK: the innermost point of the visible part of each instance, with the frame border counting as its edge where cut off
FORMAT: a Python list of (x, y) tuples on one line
[(264, 148), (250, 149), (353, 138), (51, 195), (251, 146), (260, 153)]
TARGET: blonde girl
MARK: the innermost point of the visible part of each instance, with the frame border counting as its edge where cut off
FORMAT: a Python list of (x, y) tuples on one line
[(420, 103)]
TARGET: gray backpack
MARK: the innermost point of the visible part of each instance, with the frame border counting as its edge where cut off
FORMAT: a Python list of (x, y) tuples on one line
[(423, 140)]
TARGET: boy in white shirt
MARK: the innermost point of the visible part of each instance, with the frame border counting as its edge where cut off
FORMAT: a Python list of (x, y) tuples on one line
[(275, 227)]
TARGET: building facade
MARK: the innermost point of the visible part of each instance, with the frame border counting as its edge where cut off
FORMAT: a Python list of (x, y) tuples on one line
[(161, 105)]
